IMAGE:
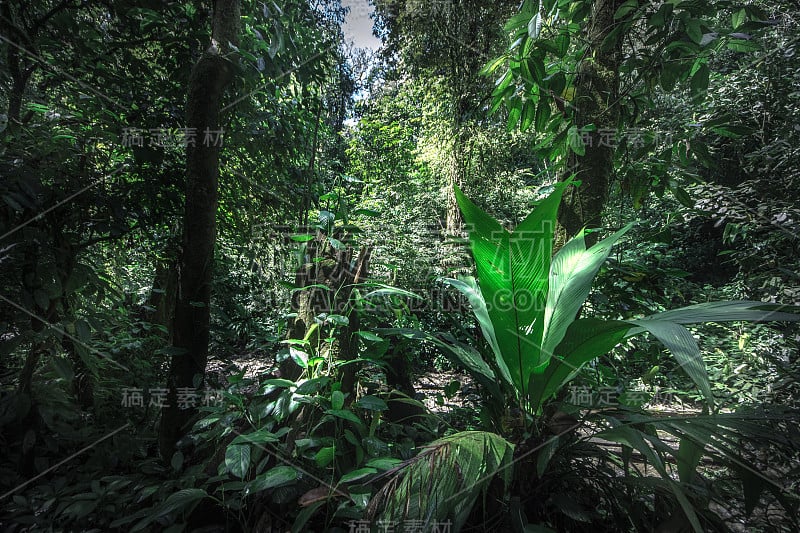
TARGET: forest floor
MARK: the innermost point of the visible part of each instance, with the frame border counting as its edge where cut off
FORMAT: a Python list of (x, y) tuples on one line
[(461, 407), (429, 386)]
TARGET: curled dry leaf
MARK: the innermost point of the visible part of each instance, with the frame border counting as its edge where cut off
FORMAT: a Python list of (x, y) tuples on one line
[(319, 494)]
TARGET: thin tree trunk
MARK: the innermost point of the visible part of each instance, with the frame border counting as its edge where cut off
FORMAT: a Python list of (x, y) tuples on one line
[(453, 222), (18, 71), (209, 79), (163, 295), (312, 162)]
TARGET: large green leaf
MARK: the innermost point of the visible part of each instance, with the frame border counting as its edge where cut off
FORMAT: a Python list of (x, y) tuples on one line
[(730, 312), (260, 436), (571, 275), (469, 288), (513, 271), (586, 339), (667, 328), (237, 459), (274, 477), (683, 347), (182, 500), (471, 360), (490, 248)]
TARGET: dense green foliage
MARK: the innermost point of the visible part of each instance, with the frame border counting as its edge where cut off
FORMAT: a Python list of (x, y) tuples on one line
[(494, 276)]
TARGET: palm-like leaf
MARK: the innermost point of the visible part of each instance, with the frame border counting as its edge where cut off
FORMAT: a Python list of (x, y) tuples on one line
[(644, 444), (716, 435), (443, 481)]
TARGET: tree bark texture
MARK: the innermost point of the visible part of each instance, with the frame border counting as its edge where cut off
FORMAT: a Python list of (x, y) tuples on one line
[(596, 102), (330, 276), (210, 77)]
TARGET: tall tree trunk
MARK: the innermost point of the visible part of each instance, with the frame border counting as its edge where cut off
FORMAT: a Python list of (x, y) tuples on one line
[(596, 94), (458, 161), (18, 71), (209, 79)]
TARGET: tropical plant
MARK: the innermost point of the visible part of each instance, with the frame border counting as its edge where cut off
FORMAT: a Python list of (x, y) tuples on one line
[(527, 305)]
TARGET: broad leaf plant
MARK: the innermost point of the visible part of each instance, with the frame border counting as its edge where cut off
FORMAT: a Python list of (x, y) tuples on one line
[(527, 301)]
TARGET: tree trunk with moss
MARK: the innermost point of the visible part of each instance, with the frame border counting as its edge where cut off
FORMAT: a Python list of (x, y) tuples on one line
[(325, 285), (209, 79), (596, 102)]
